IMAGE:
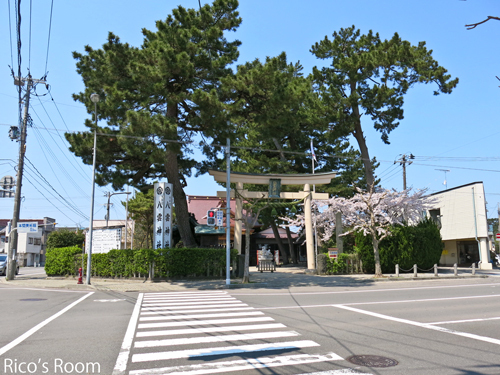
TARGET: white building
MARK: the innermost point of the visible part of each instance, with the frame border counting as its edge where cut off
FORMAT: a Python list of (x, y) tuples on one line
[(31, 247), (461, 213)]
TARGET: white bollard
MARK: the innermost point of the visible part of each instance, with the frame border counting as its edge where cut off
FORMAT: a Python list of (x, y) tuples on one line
[(397, 270), (435, 270), (414, 270), (455, 270)]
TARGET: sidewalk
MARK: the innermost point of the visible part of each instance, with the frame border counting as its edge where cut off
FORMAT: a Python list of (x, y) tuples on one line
[(283, 277)]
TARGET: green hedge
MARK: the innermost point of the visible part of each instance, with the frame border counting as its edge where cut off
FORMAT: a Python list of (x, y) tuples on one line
[(169, 263), (408, 245), (60, 261)]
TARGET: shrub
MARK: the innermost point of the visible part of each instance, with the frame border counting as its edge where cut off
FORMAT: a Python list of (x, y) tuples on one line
[(128, 263), (61, 261), (408, 245), (65, 238)]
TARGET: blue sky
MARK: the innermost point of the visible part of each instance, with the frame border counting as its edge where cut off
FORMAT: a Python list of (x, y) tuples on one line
[(457, 132)]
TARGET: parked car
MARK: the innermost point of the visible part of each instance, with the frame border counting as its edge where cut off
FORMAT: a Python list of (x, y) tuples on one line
[(3, 265)]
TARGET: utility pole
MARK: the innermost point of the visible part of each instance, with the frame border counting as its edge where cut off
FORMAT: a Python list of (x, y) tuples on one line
[(403, 161), (13, 239)]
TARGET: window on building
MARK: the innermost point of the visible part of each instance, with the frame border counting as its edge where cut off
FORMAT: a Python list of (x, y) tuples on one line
[(30, 240), (436, 216), (38, 241)]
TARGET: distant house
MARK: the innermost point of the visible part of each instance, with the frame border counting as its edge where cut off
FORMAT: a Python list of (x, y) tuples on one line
[(31, 247), (461, 214), (211, 236)]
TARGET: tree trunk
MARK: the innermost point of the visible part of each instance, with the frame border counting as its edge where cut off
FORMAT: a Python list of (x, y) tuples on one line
[(172, 172), (291, 248), (378, 269), (360, 138), (277, 237)]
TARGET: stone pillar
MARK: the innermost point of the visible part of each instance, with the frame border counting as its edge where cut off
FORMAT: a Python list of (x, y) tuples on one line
[(238, 224), (485, 254), (311, 264)]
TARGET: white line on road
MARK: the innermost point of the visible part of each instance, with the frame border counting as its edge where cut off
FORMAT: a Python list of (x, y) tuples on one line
[(466, 321), (222, 302), (2, 287), (380, 302), (422, 325), (226, 350), (244, 364), (189, 307), (338, 372), (203, 322), (196, 316), (27, 334), (189, 299), (172, 294), (365, 291), (189, 331), (121, 361), (210, 339), (166, 310)]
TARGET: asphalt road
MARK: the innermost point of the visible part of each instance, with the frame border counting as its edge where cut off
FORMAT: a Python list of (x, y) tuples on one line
[(409, 327)]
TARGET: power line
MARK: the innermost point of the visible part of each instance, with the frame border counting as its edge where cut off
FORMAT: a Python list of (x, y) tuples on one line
[(48, 40), (68, 204), (10, 34), (57, 161), (29, 40)]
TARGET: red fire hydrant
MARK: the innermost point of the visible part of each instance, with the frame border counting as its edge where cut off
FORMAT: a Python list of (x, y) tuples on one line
[(80, 281)]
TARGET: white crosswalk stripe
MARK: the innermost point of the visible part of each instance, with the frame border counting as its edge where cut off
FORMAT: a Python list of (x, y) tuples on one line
[(207, 324)]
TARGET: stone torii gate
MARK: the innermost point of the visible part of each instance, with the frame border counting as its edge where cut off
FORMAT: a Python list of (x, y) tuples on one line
[(285, 179)]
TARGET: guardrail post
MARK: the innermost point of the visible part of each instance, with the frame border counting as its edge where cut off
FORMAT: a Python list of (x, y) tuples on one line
[(473, 268), (435, 270), (455, 270), (397, 270), (414, 270)]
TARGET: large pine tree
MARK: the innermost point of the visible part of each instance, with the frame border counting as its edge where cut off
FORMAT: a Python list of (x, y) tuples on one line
[(155, 98)]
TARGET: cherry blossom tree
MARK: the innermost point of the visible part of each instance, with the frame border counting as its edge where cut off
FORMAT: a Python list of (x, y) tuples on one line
[(374, 213)]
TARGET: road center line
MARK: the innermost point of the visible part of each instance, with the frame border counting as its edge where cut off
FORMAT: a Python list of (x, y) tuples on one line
[(288, 293), (379, 302), (466, 321), (421, 325), (27, 334)]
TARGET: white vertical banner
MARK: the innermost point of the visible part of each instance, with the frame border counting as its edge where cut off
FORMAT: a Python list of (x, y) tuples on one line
[(163, 215)]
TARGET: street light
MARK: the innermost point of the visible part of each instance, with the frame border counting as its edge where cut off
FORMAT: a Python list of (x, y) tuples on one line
[(95, 99)]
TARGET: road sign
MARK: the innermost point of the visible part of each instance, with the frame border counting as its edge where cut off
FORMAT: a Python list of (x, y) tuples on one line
[(27, 227), (498, 236), (220, 218)]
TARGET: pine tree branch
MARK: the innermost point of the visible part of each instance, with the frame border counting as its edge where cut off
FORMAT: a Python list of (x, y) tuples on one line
[(473, 25)]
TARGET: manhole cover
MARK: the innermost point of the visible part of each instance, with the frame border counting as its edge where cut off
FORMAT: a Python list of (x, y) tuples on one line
[(33, 299), (372, 361)]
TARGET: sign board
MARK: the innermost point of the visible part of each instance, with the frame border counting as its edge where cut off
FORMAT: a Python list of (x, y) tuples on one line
[(220, 218), (274, 188), (27, 227), (333, 254), (498, 236), (163, 215), (104, 240)]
